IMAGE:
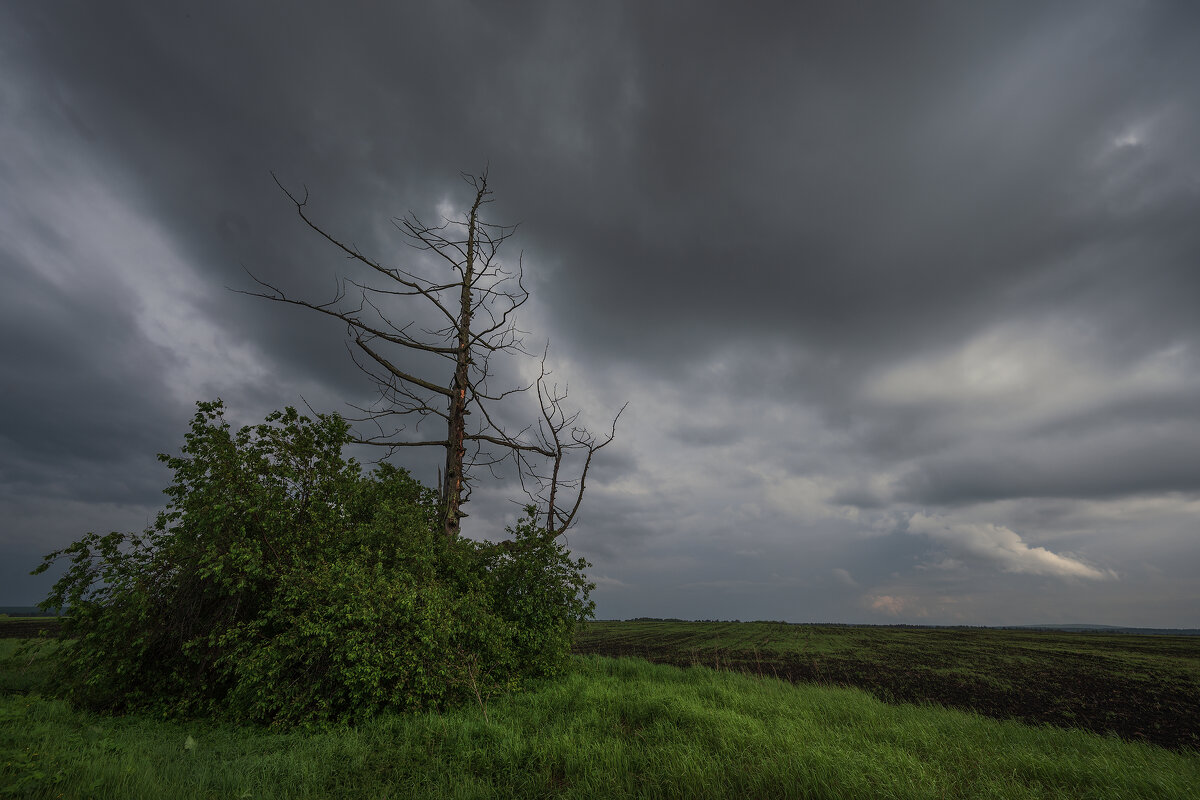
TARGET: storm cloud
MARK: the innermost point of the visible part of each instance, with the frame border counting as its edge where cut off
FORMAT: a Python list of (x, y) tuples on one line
[(902, 296)]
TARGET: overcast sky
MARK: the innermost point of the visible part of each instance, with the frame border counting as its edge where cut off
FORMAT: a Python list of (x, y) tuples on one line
[(904, 296)]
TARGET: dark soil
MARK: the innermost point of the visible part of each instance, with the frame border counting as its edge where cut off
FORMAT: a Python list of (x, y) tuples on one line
[(1065, 690), (27, 628)]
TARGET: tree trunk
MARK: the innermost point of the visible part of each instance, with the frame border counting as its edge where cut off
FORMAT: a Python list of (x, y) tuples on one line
[(456, 451)]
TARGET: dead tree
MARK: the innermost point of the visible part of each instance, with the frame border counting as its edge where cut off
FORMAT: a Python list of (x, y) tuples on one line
[(476, 309)]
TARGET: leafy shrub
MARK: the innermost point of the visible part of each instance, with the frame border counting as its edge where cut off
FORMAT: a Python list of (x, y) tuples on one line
[(282, 584)]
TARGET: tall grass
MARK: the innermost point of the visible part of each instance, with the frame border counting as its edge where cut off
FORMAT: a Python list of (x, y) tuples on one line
[(610, 728)]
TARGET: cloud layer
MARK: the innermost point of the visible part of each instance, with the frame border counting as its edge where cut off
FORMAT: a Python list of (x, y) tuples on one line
[(903, 300)]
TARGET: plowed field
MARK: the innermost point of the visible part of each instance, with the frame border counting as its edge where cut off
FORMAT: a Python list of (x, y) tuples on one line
[(26, 627), (1143, 688)]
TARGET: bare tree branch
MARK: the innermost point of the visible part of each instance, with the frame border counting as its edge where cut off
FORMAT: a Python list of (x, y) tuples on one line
[(479, 307)]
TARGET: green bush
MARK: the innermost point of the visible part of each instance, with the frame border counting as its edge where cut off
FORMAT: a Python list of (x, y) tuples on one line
[(283, 585)]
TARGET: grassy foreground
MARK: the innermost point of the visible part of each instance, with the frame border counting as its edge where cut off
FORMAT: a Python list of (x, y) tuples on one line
[(610, 728)]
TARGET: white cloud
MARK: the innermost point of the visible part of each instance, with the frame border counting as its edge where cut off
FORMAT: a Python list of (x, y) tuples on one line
[(1003, 547), (889, 604)]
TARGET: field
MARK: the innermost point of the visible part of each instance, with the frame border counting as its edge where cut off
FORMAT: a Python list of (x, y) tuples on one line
[(1143, 688), (25, 627), (620, 727)]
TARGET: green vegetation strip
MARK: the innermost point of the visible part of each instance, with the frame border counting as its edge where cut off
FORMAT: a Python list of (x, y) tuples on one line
[(609, 728)]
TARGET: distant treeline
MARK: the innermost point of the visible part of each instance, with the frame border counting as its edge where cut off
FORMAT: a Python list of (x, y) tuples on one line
[(1105, 629), (25, 611), (1068, 628)]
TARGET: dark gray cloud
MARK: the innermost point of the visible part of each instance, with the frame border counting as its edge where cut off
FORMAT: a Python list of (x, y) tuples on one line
[(852, 266), (1115, 464)]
